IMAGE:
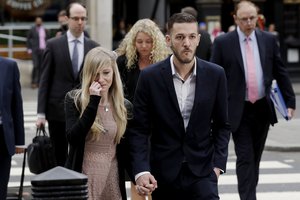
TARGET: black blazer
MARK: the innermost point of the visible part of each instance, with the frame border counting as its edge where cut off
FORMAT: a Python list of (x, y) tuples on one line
[(203, 145), (129, 77), (11, 106), (226, 52), (57, 76)]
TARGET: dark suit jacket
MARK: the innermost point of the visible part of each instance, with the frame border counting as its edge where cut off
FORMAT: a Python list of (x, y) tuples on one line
[(57, 77), (203, 50), (156, 112), (11, 106), (226, 52)]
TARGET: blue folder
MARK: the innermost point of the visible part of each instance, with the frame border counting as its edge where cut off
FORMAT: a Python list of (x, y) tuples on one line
[(278, 100)]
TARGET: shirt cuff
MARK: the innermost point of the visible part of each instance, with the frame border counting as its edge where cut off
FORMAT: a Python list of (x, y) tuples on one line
[(140, 174), (21, 146), (41, 115)]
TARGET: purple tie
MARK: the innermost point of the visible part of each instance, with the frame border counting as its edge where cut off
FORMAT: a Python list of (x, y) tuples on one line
[(251, 71)]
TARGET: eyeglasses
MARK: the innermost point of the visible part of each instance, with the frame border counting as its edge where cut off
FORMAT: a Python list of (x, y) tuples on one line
[(245, 20), (79, 18)]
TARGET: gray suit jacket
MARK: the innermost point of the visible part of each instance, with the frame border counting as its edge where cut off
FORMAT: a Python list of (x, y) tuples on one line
[(57, 76)]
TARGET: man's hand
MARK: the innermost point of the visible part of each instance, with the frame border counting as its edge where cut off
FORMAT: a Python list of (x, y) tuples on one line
[(146, 184), (19, 150), (40, 122), (291, 113), (217, 171)]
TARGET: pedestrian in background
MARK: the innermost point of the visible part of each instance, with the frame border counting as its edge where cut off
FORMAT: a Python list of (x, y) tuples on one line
[(180, 106), (143, 45), (62, 63), (203, 50), (63, 22), (96, 119), (36, 43), (12, 136), (251, 64), (119, 33)]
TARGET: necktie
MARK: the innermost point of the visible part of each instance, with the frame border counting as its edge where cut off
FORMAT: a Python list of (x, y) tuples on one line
[(75, 59), (251, 72)]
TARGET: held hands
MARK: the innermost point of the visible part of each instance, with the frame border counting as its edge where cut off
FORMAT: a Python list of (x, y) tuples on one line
[(95, 88), (146, 184)]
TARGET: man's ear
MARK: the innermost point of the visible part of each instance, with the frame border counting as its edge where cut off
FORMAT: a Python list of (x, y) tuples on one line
[(168, 40)]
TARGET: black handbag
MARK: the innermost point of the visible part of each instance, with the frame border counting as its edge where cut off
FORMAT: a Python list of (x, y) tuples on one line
[(40, 153)]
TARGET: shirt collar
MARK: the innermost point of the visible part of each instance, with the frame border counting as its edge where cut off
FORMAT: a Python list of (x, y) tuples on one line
[(242, 36), (174, 70), (71, 37)]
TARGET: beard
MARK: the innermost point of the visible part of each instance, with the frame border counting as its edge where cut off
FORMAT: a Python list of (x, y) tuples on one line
[(181, 59)]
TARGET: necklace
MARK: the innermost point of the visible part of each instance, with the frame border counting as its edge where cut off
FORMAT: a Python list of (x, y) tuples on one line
[(105, 107)]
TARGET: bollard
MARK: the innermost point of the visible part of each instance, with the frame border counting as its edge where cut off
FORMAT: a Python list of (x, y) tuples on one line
[(59, 183)]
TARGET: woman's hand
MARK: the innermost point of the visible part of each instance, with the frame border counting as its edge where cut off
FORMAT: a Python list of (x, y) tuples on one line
[(95, 88)]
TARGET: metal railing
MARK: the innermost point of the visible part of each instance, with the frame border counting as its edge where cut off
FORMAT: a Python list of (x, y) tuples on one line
[(11, 38)]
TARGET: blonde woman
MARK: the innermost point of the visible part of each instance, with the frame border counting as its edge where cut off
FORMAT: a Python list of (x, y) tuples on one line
[(143, 45), (96, 119)]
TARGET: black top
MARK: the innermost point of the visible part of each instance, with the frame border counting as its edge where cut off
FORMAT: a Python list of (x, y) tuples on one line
[(129, 77)]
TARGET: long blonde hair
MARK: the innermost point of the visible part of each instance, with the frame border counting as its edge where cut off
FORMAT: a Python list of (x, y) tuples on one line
[(95, 59), (127, 47)]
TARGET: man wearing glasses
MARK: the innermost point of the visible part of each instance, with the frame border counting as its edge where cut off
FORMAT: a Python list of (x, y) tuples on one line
[(62, 63), (251, 64)]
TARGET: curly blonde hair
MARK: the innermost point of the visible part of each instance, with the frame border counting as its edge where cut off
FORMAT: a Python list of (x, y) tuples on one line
[(127, 47), (97, 58)]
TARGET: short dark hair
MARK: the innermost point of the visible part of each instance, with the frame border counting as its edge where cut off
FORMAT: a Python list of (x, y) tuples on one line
[(70, 6), (180, 18)]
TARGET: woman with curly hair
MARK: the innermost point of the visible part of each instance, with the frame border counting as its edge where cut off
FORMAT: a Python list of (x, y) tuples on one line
[(96, 120), (142, 46)]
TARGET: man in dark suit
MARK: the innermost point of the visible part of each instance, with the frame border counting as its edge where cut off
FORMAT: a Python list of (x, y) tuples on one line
[(181, 103), (251, 60), (63, 61), (36, 43), (11, 119)]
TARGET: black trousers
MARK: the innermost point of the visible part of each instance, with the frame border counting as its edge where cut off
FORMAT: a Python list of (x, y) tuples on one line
[(5, 164), (188, 186), (57, 132), (249, 142), (37, 56)]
